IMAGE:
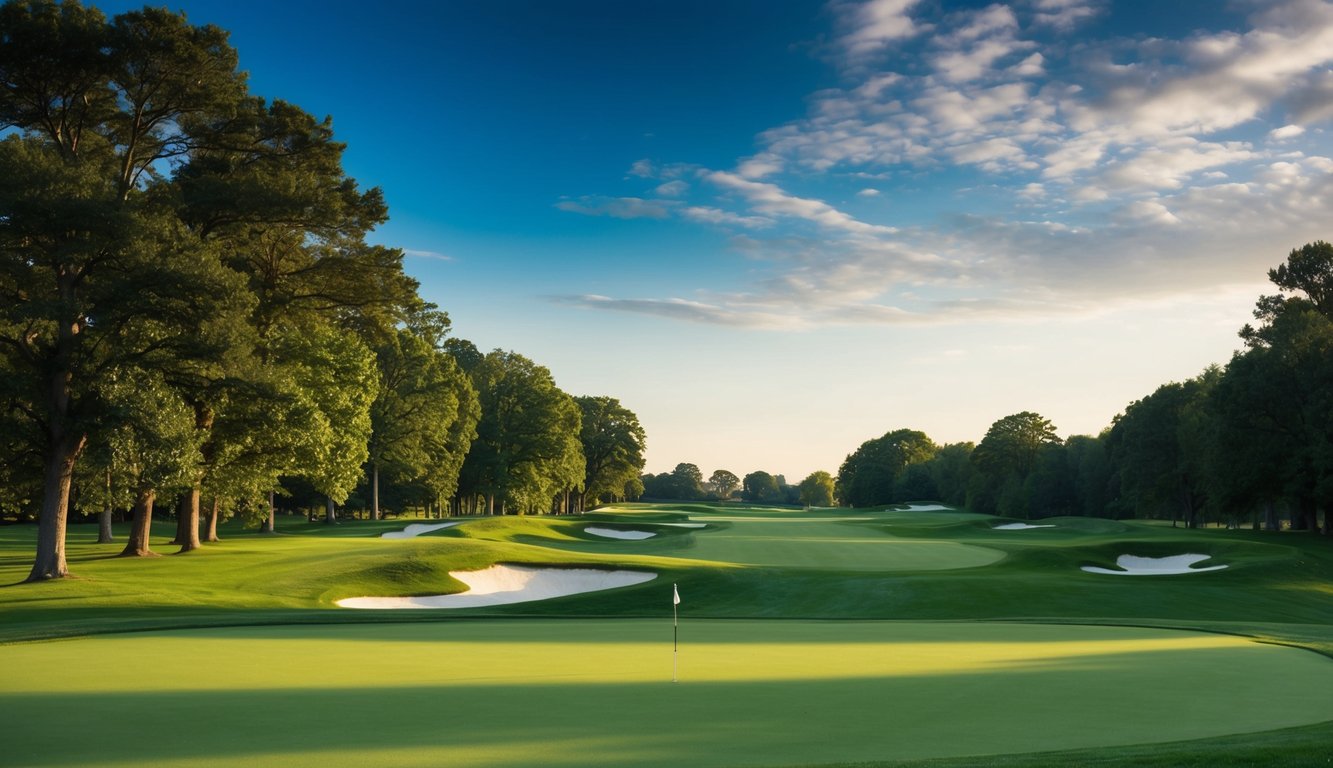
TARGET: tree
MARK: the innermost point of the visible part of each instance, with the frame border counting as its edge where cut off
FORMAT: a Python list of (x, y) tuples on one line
[(817, 489), (1274, 400), (423, 418), (1003, 460), (527, 448), (869, 476), (950, 470), (760, 486), (1159, 449), (613, 444), (86, 216), (722, 484)]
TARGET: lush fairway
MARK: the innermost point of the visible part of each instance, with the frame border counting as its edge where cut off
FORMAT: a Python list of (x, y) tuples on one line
[(245, 656), (579, 692)]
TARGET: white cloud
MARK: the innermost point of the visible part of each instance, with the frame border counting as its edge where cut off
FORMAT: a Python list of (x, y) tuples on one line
[(718, 216), (770, 199), (1064, 15), (1110, 169), (618, 207), (874, 26), (674, 188), (1286, 132)]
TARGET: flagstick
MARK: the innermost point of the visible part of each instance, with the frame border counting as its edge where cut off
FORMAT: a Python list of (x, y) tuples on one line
[(675, 632)]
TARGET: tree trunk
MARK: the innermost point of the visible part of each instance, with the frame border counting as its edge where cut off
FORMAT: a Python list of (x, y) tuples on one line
[(187, 521), (330, 515), (104, 533), (374, 490), (49, 562), (272, 512), (212, 523), (1271, 520), (141, 529)]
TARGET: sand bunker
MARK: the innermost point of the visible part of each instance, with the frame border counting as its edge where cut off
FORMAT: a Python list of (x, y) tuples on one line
[(1018, 527), (615, 533), (415, 529), (686, 525), (1155, 566), (505, 584), (926, 508)]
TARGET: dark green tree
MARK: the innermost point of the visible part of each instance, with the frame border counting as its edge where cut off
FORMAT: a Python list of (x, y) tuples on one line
[(722, 484), (870, 475), (761, 486), (527, 449), (96, 271), (613, 444)]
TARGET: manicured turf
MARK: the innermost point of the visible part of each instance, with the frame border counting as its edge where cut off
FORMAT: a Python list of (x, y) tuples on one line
[(511, 693), (273, 673)]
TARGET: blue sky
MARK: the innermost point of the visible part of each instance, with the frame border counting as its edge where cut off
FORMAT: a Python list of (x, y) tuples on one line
[(777, 229)]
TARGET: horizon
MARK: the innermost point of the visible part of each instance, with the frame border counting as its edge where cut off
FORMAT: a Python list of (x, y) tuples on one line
[(777, 231)]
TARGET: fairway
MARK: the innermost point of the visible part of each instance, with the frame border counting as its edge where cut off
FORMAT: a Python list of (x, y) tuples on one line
[(505, 693), (816, 543), (774, 538)]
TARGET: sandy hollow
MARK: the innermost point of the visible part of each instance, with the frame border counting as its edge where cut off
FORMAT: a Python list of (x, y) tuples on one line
[(615, 533), (1018, 527), (926, 508), (1155, 566), (416, 529), (506, 584)]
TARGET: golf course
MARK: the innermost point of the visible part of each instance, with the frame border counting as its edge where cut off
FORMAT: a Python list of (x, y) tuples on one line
[(908, 635)]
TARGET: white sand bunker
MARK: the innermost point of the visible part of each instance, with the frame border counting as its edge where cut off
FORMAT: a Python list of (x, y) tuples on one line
[(926, 508), (416, 529), (686, 525), (1018, 527), (505, 584), (616, 533), (1155, 566)]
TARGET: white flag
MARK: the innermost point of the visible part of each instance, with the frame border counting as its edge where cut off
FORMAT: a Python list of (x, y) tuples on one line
[(675, 595)]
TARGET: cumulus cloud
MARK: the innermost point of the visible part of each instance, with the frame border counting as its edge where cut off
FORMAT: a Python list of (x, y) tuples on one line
[(1286, 132)]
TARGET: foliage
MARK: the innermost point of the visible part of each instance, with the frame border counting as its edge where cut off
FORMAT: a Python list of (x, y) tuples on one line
[(870, 475), (761, 486), (817, 489), (527, 448), (613, 445)]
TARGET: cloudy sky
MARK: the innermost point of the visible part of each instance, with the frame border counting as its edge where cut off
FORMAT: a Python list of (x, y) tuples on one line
[(777, 229)]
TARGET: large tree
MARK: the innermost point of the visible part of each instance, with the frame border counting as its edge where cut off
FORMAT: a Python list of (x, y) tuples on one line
[(613, 445), (870, 475), (97, 112), (723, 483), (424, 416), (1004, 459), (817, 489), (527, 449)]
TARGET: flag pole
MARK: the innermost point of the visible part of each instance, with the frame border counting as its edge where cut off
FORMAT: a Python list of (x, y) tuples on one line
[(675, 631)]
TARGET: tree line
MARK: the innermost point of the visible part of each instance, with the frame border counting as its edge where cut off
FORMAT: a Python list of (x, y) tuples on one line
[(1250, 442), (686, 483), (192, 313)]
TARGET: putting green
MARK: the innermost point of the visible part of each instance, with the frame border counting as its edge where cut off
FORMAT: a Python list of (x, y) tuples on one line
[(506, 693)]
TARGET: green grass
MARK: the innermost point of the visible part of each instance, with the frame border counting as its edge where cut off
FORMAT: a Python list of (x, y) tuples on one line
[(245, 632), (768, 693)]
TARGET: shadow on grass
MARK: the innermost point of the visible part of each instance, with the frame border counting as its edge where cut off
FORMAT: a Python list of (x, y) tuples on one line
[(553, 720)]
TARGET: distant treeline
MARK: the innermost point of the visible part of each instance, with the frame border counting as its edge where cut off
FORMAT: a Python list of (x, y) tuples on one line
[(1250, 443)]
